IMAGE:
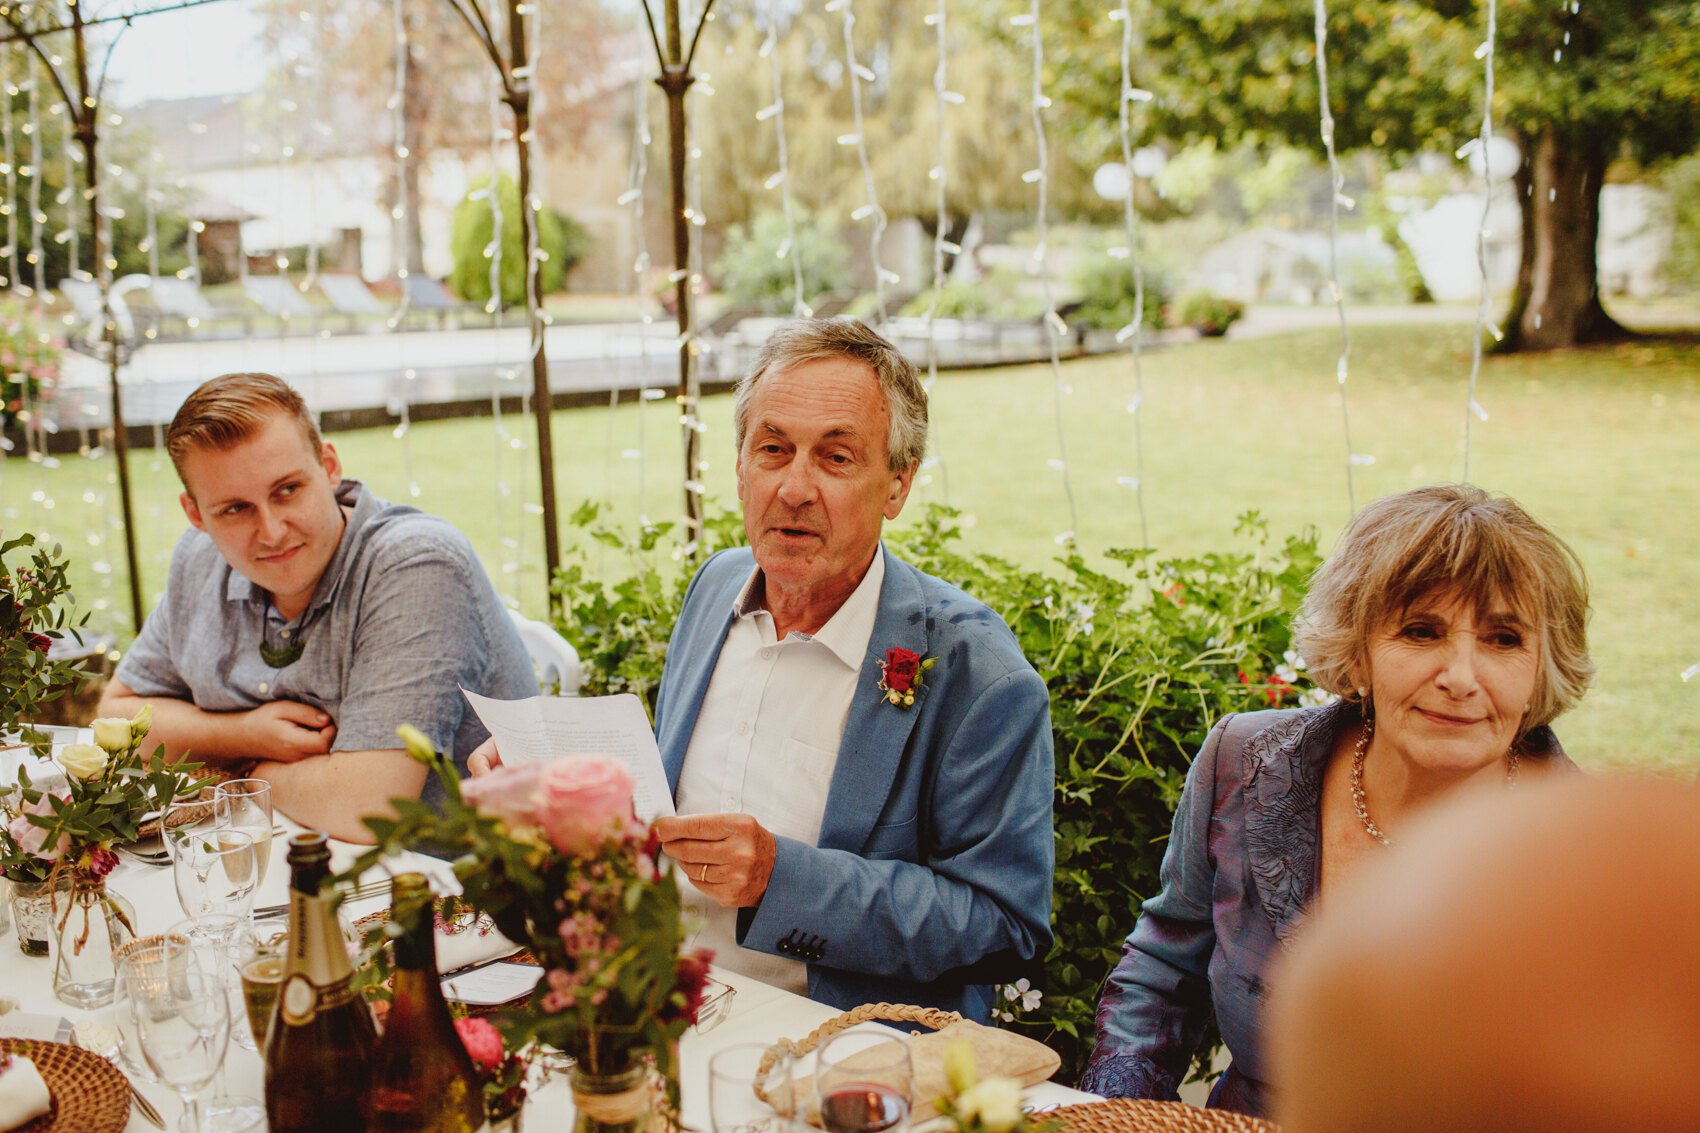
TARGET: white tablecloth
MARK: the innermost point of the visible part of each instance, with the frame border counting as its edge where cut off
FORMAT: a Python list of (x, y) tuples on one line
[(760, 1013)]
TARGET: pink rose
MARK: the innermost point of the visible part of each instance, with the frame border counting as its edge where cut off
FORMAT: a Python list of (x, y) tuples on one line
[(584, 801), (579, 802), (32, 839), (482, 1041)]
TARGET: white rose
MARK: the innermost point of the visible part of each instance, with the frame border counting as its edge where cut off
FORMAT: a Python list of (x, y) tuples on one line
[(84, 761), (995, 1103), (112, 733)]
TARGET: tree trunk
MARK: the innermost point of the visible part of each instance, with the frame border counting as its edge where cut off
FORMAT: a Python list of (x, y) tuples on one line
[(414, 112), (1557, 301)]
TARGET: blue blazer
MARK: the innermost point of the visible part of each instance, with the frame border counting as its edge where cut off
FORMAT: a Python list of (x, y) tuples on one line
[(932, 877)]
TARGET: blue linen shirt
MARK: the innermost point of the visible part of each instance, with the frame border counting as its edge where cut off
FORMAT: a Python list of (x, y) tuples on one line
[(1238, 879), (403, 615)]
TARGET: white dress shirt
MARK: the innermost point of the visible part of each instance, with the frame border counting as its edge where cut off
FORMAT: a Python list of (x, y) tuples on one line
[(766, 743)]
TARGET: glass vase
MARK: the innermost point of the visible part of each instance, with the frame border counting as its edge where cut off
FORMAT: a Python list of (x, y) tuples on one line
[(32, 916), (623, 1102), (92, 924)]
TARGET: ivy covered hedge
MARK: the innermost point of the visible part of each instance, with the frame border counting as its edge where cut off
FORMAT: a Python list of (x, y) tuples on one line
[(1141, 654)]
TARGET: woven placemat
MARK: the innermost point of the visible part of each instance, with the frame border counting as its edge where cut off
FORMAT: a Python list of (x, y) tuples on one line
[(1131, 1115), (90, 1095)]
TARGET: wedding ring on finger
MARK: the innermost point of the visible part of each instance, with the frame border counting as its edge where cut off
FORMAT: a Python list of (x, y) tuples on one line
[(702, 875)]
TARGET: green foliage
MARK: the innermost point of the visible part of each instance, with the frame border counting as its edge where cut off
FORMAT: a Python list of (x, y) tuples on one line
[(1141, 658), (751, 269), (1208, 313), (472, 240), (35, 611), (1106, 291), (29, 357), (957, 300)]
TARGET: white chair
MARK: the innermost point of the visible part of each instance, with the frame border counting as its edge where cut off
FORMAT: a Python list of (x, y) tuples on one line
[(552, 655)]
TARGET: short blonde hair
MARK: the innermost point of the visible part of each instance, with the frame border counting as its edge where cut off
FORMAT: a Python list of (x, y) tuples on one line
[(1450, 539), (227, 410)]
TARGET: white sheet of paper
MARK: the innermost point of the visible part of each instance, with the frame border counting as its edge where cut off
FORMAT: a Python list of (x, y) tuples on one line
[(545, 727), (492, 984)]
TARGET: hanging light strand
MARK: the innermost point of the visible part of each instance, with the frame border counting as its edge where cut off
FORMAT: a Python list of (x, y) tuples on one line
[(1483, 145), (781, 178), (402, 405), (1337, 200), (9, 153), (1134, 332), (1055, 328), (636, 183), (943, 99), (38, 220), (870, 210)]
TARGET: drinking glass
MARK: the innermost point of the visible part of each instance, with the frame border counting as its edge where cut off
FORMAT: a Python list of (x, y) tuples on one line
[(246, 804), (219, 957), (216, 874), (181, 819), (750, 1089), (147, 958), (862, 1081), (181, 1016)]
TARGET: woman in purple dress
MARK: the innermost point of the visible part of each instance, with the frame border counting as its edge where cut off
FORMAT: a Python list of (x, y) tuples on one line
[(1452, 628)]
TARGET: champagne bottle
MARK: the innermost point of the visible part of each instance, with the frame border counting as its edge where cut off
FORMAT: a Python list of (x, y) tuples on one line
[(319, 1050), (422, 1078)]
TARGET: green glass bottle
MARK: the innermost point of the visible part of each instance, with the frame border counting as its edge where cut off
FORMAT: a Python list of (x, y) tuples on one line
[(319, 1049), (423, 1080)]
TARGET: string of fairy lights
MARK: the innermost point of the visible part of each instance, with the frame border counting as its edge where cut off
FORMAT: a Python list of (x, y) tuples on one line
[(633, 199), (1482, 145), (1337, 199), (780, 178), (944, 99), (870, 210), (1133, 334), (1040, 177)]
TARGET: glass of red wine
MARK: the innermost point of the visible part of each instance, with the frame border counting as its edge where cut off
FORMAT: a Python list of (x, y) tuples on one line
[(862, 1081)]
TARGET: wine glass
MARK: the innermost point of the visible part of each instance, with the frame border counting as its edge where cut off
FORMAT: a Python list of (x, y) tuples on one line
[(862, 1081), (216, 873), (181, 1020), (182, 818), (750, 1089), (220, 957), (246, 804)]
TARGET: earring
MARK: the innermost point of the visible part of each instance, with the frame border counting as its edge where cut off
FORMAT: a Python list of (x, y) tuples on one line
[(1362, 691)]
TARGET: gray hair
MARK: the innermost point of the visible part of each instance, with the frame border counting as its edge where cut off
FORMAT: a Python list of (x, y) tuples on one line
[(806, 340), (1448, 539)]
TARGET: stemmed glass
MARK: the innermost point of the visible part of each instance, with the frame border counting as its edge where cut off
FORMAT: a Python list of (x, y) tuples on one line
[(179, 1018), (750, 1089), (246, 805), (863, 1081), (220, 957), (216, 874)]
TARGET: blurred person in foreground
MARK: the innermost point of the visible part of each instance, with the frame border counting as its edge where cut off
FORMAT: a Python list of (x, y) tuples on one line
[(1529, 962), (304, 618), (859, 753), (1452, 626)]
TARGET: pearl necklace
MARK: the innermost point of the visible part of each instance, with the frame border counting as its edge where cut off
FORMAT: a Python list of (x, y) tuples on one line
[(1362, 749)]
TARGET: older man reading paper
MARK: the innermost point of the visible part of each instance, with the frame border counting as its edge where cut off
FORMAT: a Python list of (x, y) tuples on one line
[(860, 754)]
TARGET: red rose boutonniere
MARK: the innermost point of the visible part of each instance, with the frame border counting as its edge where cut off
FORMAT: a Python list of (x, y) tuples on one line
[(901, 674)]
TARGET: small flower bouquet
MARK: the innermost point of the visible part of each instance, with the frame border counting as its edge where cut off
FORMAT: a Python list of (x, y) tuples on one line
[(29, 361), (552, 853), (982, 1105), (110, 789), (501, 1068)]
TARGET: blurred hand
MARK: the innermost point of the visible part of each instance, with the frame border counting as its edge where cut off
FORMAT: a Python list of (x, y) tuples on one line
[(286, 731), (484, 758), (728, 856)]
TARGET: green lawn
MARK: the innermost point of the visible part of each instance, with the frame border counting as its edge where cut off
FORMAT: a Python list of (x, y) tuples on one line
[(1603, 445)]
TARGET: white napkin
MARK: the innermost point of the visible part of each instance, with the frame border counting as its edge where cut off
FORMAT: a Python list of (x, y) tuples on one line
[(23, 1095), (479, 940)]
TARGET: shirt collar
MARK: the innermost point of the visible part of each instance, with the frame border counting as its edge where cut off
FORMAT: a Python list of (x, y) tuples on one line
[(847, 632), (349, 493)]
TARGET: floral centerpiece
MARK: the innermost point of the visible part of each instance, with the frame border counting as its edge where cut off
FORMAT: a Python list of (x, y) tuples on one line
[(553, 854), (35, 602), (66, 834), (500, 1068)]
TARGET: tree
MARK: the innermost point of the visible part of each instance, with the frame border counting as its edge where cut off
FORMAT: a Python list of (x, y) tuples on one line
[(347, 56), (472, 235), (1577, 86), (990, 139)]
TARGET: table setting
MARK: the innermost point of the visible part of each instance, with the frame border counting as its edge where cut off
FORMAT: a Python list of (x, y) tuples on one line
[(159, 1023)]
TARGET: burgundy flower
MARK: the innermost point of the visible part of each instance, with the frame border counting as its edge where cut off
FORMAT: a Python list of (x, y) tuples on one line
[(692, 973), (901, 665), (39, 642), (101, 862)]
